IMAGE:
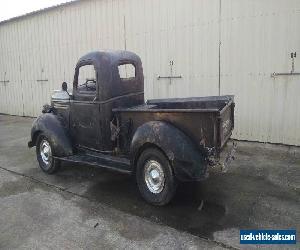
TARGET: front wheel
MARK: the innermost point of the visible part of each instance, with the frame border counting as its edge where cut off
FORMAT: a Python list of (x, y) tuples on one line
[(155, 177), (44, 155)]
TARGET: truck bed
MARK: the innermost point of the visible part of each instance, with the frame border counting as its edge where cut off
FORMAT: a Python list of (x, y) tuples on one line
[(201, 118)]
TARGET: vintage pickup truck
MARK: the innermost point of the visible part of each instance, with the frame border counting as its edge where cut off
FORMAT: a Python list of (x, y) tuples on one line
[(105, 122)]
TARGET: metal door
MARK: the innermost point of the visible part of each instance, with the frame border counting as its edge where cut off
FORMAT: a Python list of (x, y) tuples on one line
[(85, 108), (260, 38)]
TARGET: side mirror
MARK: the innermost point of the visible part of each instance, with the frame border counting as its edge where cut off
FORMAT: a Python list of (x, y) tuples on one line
[(64, 86)]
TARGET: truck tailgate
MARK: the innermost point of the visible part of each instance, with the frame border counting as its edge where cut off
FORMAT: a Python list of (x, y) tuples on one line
[(225, 124)]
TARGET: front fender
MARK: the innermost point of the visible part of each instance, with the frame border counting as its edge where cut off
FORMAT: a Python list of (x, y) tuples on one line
[(187, 159), (52, 128)]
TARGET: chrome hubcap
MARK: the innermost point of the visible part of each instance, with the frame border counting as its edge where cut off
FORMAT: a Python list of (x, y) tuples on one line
[(45, 152), (154, 176)]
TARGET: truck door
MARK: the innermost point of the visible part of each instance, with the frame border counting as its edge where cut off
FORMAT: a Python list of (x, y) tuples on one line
[(85, 124)]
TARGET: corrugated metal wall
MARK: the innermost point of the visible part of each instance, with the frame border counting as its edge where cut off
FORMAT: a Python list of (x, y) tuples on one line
[(217, 46), (255, 43)]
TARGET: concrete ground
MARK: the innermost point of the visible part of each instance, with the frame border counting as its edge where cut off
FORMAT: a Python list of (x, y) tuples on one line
[(85, 207)]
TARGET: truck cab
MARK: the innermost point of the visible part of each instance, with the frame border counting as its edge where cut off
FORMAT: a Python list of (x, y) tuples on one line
[(98, 87), (105, 122)]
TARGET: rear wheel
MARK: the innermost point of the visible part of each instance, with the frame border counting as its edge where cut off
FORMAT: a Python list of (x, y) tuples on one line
[(44, 155), (155, 177)]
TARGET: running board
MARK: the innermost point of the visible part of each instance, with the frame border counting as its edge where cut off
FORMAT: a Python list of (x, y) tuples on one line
[(100, 160)]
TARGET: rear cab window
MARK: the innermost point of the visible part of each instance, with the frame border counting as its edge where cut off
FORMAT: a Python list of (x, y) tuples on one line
[(127, 71)]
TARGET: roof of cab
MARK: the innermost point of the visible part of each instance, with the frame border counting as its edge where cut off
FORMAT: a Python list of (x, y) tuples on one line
[(111, 55)]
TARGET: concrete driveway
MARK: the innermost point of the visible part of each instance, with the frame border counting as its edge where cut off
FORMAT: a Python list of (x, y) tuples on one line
[(85, 207)]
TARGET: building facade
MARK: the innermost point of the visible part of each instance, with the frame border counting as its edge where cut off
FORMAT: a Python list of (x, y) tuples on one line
[(216, 46)]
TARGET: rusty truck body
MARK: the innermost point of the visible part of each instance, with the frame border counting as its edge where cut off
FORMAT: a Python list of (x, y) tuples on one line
[(106, 122)]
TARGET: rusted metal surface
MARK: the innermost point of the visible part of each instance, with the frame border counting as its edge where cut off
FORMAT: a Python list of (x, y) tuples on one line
[(206, 119), (56, 130), (114, 121), (187, 159), (230, 157)]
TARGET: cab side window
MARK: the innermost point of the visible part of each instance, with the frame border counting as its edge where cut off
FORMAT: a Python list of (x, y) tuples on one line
[(87, 77)]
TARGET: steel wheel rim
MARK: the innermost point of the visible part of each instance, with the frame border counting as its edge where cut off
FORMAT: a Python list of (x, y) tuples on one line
[(154, 176), (46, 152)]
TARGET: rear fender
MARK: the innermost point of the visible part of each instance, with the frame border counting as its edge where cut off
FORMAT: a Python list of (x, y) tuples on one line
[(187, 160), (52, 128)]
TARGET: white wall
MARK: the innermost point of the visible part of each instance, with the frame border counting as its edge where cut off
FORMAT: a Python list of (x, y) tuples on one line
[(256, 38), (255, 43)]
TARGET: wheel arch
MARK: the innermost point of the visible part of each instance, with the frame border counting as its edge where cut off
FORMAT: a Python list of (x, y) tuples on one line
[(49, 125), (35, 136), (186, 160)]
